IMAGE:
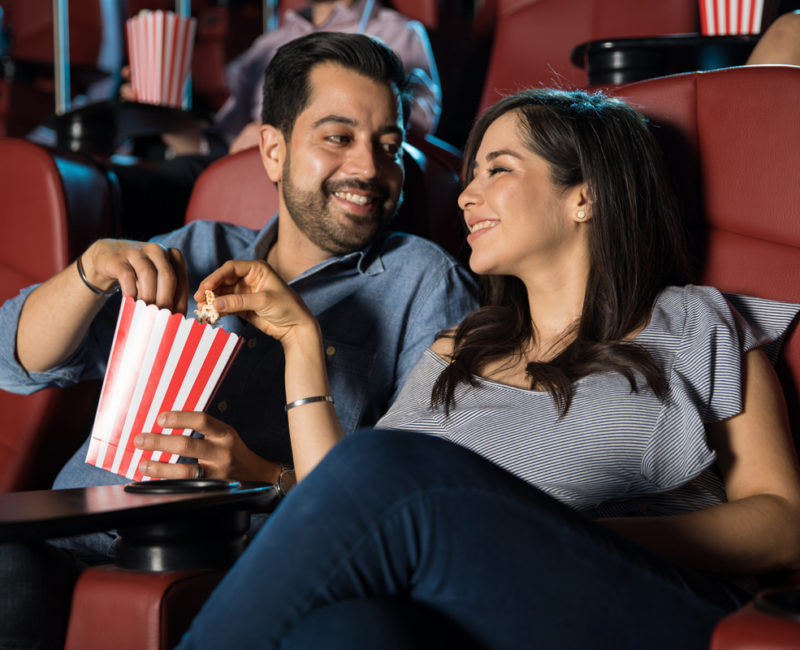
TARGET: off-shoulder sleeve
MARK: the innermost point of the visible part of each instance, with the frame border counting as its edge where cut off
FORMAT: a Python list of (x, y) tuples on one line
[(716, 337), (705, 375)]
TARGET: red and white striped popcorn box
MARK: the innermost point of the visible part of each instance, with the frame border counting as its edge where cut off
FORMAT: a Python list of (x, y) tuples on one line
[(159, 361), (160, 45), (724, 17)]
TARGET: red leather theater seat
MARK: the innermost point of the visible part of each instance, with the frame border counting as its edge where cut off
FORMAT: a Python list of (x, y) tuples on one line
[(730, 137), (533, 38), (54, 205)]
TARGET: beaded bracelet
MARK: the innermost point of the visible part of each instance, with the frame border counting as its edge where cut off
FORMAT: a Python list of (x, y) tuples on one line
[(308, 400), (89, 285)]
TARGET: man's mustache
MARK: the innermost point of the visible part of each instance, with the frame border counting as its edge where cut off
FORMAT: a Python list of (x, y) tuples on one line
[(372, 187)]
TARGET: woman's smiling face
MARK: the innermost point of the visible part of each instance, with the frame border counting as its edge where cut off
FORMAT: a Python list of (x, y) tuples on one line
[(517, 218)]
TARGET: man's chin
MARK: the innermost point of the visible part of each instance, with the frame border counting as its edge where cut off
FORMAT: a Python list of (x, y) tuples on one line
[(354, 239)]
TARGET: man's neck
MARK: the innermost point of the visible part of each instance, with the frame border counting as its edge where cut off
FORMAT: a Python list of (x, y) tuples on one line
[(292, 254)]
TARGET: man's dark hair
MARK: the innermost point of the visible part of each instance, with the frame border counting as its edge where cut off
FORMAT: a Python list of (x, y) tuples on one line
[(286, 79)]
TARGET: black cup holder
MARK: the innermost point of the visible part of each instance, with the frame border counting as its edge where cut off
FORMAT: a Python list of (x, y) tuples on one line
[(178, 486), (780, 601)]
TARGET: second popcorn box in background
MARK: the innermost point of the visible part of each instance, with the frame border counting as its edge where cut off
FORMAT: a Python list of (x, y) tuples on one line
[(160, 45), (159, 362), (728, 17)]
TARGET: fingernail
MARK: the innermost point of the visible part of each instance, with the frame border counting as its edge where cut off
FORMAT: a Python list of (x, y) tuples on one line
[(143, 467), (219, 304), (138, 441), (162, 419)]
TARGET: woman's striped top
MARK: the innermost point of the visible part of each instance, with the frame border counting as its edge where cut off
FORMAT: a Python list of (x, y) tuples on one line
[(616, 452)]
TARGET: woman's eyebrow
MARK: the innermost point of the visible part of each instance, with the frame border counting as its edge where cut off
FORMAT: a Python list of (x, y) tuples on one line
[(501, 152), (496, 154)]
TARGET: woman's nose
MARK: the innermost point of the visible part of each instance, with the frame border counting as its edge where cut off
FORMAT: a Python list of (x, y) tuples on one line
[(468, 196)]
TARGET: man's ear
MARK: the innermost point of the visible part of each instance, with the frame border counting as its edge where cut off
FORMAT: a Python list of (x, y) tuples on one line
[(272, 145)]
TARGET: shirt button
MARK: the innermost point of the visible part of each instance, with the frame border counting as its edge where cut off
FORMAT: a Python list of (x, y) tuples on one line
[(251, 343), (330, 350), (222, 406)]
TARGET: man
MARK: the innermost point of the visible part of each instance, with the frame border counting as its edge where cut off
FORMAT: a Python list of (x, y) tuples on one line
[(333, 146), (155, 199)]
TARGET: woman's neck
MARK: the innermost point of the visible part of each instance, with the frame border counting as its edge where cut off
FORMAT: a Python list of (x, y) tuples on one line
[(555, 300)]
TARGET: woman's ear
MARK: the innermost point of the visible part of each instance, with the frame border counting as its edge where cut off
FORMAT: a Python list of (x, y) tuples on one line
[(581, 203), (272, 145)]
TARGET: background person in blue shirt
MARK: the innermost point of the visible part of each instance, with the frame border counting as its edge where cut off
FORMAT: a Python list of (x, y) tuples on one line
[(333, 146)]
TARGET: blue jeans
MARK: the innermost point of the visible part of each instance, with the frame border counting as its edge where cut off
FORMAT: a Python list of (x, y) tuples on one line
[(393, 514)]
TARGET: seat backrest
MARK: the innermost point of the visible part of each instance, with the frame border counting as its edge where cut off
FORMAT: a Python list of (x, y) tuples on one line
[(236, 189), (32, 24), (534, 38), (731, 140), (54, 206)]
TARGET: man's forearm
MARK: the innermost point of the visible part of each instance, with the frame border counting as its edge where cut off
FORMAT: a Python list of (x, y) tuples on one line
[(54, 320)]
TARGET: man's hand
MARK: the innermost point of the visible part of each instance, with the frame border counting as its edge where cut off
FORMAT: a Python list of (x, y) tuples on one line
[(221, 453), (144, 271)]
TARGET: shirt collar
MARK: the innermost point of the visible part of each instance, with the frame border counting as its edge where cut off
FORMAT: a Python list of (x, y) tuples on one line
[(367, 261)]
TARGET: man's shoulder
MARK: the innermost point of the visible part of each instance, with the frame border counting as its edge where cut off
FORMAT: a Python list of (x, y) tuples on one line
[(198, 237)]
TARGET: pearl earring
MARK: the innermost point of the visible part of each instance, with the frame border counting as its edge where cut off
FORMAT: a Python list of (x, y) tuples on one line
[(581, 214)]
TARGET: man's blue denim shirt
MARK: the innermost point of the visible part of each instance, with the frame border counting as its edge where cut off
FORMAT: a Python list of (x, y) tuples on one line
[(378, 310)]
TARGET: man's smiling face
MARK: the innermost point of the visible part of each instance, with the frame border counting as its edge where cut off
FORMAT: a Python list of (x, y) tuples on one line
[(343, 173)]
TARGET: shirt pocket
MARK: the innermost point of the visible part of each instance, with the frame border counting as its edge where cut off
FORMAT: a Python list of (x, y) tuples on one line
[(349, 370)]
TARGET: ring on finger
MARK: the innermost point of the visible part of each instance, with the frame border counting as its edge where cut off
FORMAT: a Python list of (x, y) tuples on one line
[(199, 472)]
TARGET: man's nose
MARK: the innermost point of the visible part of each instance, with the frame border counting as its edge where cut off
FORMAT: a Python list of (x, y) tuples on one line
[(361, 160)]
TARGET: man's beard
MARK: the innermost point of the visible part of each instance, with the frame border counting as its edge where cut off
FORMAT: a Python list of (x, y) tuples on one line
[(312, 215)]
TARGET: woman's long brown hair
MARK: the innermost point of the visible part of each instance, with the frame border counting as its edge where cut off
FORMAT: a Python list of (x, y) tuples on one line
[(637, 246)]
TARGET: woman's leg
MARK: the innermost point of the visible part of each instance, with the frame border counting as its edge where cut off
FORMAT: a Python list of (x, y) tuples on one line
[(394, 513), (384, 623)]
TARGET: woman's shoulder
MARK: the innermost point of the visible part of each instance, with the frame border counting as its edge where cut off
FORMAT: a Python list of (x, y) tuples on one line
[(690, 306), (442, 347)]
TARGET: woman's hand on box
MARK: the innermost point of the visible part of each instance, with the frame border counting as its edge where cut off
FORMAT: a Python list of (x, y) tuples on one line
[(253, 290)]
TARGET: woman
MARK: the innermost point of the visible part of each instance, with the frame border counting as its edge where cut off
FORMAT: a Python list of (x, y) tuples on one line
[(633, 459)]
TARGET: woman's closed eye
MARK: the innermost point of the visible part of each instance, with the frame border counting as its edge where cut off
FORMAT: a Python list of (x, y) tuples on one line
[(497, 170)]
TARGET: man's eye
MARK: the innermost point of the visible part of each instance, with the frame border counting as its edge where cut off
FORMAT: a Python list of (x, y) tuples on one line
[(338, 139), (392, 148)]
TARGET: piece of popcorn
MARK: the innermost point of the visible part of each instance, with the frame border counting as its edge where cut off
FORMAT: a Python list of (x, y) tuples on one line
[(206, 313)]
